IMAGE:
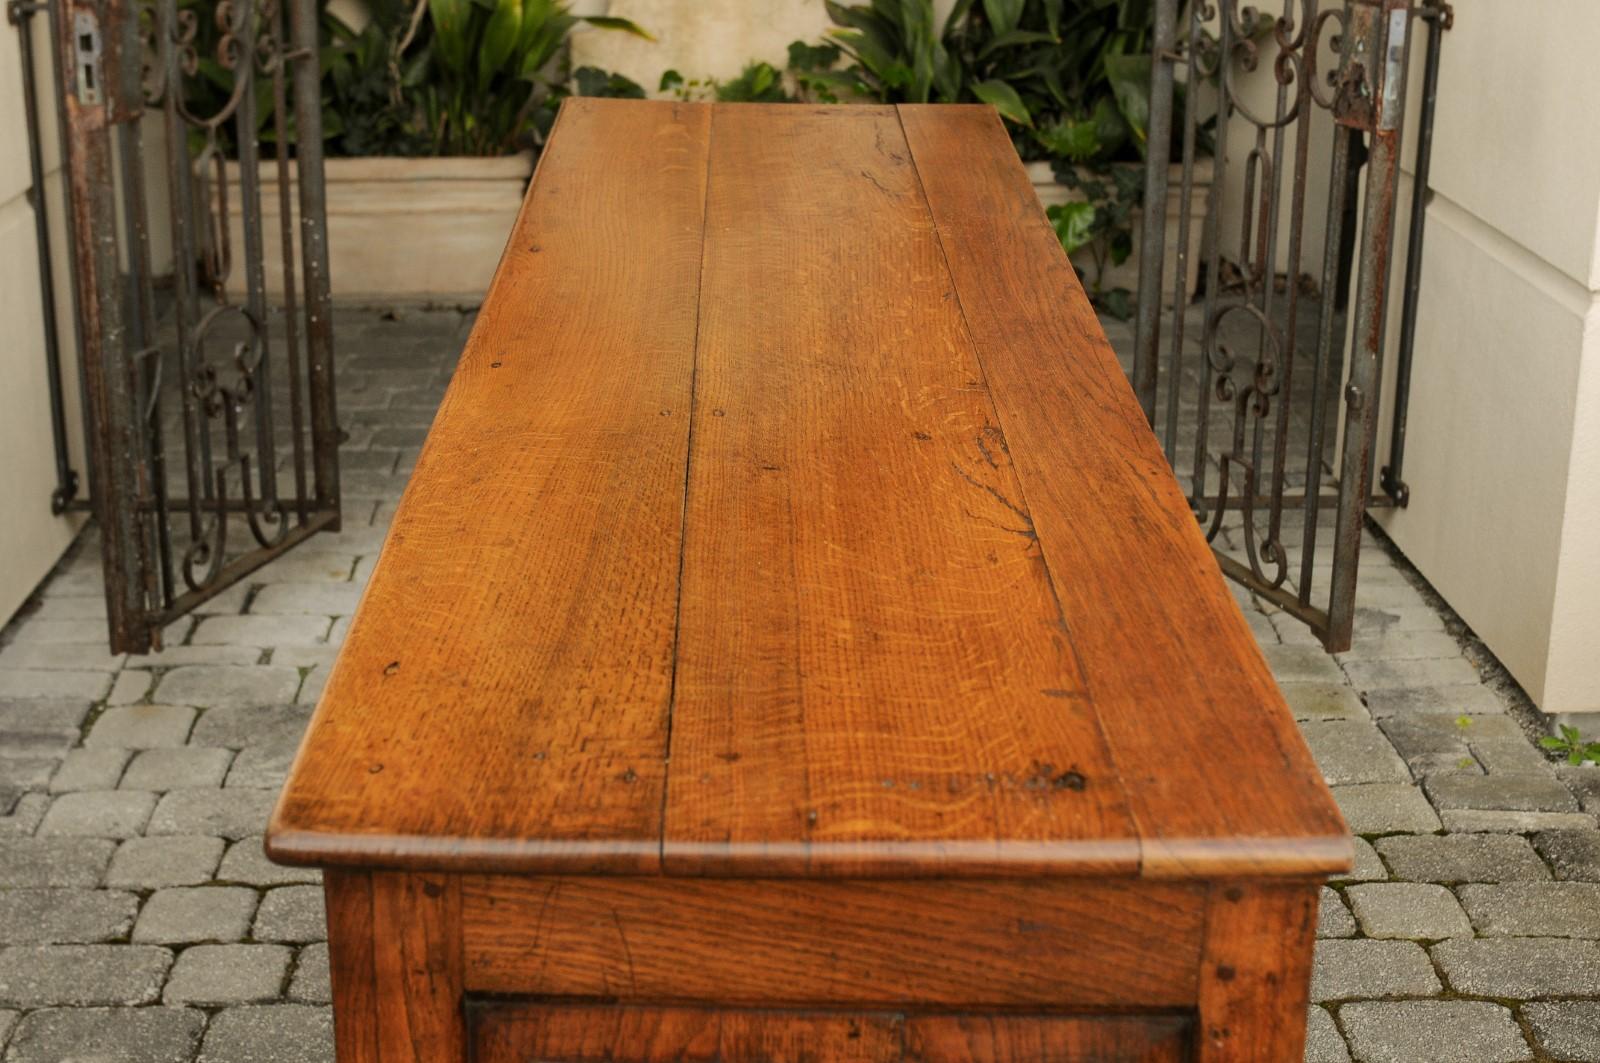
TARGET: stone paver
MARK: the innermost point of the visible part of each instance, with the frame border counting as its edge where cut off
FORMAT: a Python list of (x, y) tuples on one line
[(1524, 968), (1383, 808), (279, 1033), (30, 863), (91, 1035), (1433, 1031), (226, 813), (1323, 1043), (246, 863), (90, 769), (43, 975), (1412, 911), (1573, 854), (152, 863), (1361, 968), (140, 920), (64, 916), (1534, 909), (311, 984), (184, 915), (1568, 1030), (99, 814), (177, 769), (292, 913), (1462, 858), (228, 974), (142, 726)]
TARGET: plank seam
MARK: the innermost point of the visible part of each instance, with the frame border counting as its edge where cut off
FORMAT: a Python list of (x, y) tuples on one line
[(1022, 490), (683, 518)]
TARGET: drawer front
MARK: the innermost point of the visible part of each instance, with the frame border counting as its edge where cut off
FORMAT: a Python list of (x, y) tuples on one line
[(1012, 945), (564, 1033)]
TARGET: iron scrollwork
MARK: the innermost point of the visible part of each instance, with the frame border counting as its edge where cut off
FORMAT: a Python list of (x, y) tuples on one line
[(1238, 395)]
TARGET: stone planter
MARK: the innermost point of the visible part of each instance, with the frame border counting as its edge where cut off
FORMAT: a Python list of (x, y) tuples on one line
[(1127, 274), (400, 229)]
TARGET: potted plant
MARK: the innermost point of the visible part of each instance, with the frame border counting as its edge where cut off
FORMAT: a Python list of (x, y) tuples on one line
[(433, 112)]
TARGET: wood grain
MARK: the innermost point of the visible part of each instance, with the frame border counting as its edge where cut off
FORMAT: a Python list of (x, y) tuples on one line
[(1001, 943), (1034, 1039), (348, 900), (417, 967), (504, 691), (1218, 777), (786, 439), (873, 676), (1255, 978), (395, 961), (534, 1033)]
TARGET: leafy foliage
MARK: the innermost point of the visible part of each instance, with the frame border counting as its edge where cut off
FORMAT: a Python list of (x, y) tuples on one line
[(431, 77), (758, 82), (1571, 744), (488, 65), (1071, 78)]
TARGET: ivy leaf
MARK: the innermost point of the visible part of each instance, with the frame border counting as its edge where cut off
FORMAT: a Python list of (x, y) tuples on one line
[(812, 57), (1074, 224), (1077, 141), (1003, 98), (1118, 302)]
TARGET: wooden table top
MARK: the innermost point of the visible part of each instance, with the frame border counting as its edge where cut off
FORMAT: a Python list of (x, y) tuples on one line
[(788, 514)]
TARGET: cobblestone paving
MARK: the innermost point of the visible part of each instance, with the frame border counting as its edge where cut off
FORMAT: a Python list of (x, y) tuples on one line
[(139, 921)]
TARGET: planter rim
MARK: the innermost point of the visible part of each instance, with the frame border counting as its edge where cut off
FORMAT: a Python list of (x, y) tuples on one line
[(398, 168)]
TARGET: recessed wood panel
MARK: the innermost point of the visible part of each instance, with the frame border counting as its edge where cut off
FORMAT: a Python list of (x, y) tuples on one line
[(558, 1033), (532, 1033), (975, 943)]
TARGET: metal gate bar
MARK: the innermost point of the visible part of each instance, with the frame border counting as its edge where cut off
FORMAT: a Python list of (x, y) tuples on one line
[(1254, 404), (124, 59)]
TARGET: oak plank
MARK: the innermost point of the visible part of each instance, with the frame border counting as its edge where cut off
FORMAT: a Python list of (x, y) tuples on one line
[(503, 695), (1218, 777), (1255, 977), (873, 674), (894, 942)]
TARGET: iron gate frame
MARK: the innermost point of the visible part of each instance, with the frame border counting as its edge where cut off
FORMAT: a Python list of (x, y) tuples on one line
[(115, 60), (1366, 98)]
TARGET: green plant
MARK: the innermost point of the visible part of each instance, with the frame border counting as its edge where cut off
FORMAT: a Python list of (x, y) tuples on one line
[(1071, 78), (1571, 744), (758, 82), (1101, 222), (488, 69)]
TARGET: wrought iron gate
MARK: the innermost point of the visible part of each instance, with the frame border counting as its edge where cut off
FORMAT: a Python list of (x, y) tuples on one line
[(223, 394), (1248, 415)]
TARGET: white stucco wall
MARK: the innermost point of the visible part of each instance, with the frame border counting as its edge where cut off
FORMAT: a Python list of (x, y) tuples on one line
[(31, 540), (1503, 441)]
